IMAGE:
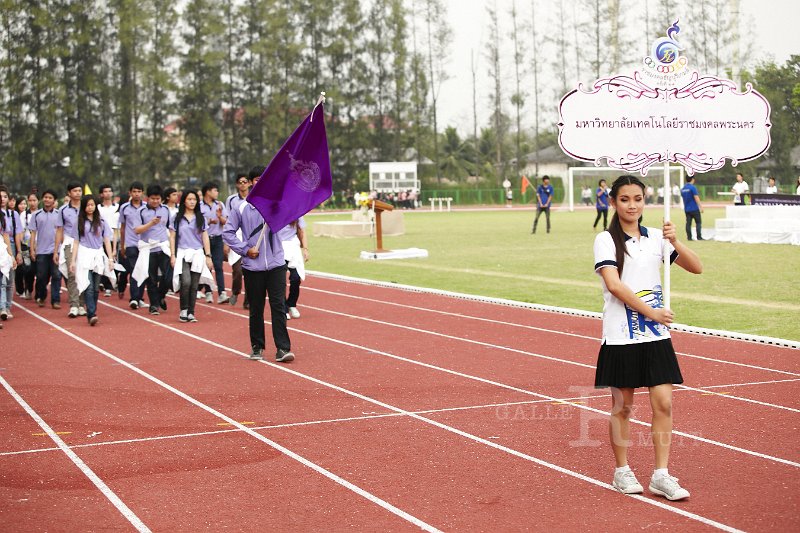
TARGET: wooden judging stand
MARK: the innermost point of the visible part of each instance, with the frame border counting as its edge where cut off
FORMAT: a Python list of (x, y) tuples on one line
[(379, 207)]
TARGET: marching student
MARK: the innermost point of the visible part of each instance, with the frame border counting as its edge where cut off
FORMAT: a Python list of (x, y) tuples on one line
[(110, 213), (216, 216), (190, 253), (637, 349), (152, 265), (26, 271), (264, 270), (235, 201), (89, 262), (295, 252), (66, 235), (43, 239), (12, 228), (7, 260), (129, 244), (171, 199)]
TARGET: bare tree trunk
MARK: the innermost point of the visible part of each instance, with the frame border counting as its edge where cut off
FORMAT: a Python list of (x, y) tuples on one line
[(613, 16), (474, 68), (535, 48), (518, 100)]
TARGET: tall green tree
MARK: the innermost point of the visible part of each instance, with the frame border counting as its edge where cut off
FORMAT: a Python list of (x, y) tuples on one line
[(201, 92)]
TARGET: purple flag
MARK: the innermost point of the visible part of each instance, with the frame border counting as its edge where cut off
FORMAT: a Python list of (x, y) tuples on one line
[(299, 176)]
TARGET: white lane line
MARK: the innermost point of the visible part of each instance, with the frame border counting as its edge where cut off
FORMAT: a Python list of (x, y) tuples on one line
[(484, 380), (445, 427), (300, 459), (536, 328), (524, 352), (129, 515), (293, 424), (750, 383)]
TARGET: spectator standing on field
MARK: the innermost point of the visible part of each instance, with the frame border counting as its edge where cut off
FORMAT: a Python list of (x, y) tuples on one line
[(692, 208), (544, 197), (740, 188)]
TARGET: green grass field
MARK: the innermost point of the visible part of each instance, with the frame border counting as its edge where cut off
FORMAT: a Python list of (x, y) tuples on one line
[(749, 288)]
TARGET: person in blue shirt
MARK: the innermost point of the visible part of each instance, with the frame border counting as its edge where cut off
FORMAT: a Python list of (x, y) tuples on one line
[(601, 204), (544, 197), (692, 208)]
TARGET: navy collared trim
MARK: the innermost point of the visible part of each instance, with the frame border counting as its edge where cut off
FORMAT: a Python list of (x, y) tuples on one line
[(605, 263), (642, 230)]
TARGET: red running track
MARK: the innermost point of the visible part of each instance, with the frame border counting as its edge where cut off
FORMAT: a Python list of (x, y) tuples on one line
[(402, 411)]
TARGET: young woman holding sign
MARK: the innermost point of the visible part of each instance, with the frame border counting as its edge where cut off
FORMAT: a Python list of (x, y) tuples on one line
[(637, 350)]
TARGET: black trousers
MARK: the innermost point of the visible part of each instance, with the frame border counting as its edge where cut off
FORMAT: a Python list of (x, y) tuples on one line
[(260, 285), (698, 220), (294, 289), (47, 272), (601, 213), (539, 211), (159, 277)]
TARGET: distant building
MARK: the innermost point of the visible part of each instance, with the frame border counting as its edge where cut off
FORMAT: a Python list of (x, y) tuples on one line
[(552, 162)]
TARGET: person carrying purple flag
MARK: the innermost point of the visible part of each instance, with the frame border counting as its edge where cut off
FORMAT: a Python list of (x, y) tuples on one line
[(264, 270)]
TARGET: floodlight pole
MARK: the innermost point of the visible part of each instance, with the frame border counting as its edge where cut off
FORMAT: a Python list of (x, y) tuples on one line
[(667, 201)]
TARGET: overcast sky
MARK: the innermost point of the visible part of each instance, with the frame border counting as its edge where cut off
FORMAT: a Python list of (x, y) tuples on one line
[(769, 29)]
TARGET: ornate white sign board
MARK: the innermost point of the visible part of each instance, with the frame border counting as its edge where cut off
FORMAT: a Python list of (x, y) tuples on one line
[(665, 113), (635, 126)]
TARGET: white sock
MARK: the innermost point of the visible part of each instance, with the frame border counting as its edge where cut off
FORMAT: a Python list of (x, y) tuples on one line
[(622, 469), (660, 472)]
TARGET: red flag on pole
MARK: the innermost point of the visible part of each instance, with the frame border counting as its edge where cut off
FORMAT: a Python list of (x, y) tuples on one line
[(525, 184)]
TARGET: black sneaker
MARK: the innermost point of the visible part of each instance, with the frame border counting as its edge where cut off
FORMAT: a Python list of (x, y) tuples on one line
[(163, 305), (133, 304), (284, 356), (258, 354), (154, 310)]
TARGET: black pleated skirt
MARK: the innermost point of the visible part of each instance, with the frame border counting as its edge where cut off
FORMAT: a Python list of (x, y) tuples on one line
[(645, 364)]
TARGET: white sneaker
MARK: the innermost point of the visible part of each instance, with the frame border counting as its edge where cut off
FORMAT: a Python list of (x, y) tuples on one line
[(73, 312), (626, 483), (288, 316), (667, 486), (209, 298), (199, 295), (142, 304), (184, 316), (81, 311), (27, 295), (223, 297), (294, 312), (108, 293)]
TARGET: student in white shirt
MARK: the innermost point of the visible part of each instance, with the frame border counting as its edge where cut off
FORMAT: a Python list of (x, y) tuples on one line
[(772, 188), (637, 350), (739, 189)]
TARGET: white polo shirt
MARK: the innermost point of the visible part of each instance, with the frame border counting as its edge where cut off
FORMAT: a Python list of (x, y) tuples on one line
[(110, 214), (641, 274), (738, 188)]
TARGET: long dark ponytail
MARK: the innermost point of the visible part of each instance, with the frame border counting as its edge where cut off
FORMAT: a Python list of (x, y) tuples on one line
[(614, 228), (96, 218)]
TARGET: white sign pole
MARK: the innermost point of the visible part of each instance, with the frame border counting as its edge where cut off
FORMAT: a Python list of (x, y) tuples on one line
[(667, 200)]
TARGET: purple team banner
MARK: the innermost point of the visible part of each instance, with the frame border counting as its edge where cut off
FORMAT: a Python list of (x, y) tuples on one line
[(299, 176)]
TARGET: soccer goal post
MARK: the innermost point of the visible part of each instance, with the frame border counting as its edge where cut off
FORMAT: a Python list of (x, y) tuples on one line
[(585, 180)]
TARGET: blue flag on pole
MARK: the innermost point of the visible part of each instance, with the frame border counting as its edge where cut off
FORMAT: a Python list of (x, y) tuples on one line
[(299, 176)]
